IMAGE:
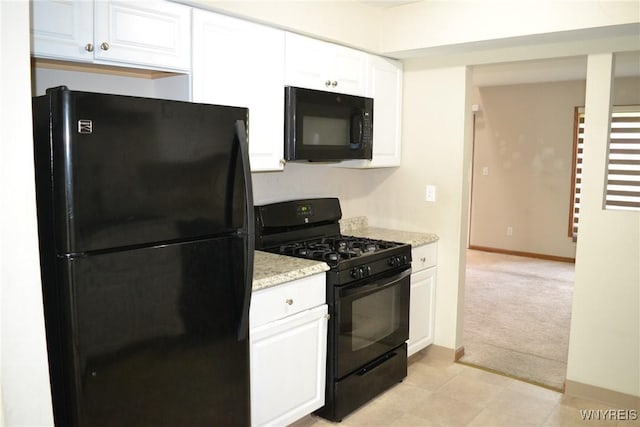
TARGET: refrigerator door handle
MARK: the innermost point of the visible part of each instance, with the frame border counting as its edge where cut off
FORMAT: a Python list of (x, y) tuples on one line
[(249, 226)]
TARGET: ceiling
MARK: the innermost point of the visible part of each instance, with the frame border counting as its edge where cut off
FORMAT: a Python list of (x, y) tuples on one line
[(547, 70), (384, 4)]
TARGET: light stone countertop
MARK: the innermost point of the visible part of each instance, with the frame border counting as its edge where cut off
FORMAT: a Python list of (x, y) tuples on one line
[(359, 227), (413, 238), (273, 269)]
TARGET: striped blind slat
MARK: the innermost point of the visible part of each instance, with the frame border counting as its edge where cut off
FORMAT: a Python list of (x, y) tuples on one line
[(623, 167), (623, 162)]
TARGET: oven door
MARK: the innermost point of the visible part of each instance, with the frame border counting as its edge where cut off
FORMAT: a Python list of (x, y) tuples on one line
[(372, 319)]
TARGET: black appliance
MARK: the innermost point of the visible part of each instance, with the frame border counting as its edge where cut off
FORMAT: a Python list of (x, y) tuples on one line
[(145, 221), (324, 126), (368, 287)]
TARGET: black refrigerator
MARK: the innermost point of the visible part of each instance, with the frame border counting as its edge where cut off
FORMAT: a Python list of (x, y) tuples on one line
[(145, 222)]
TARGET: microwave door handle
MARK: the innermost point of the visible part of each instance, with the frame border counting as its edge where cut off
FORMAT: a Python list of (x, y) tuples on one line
[(357, 128)]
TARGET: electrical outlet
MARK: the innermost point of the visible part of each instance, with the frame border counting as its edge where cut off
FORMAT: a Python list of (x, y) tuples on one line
[(509, 231), (430, 193), (485, 170)]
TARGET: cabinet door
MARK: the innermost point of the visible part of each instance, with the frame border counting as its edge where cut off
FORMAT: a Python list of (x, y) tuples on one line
[(242, 64), (386, 90), (421, 310), (385, 87), (62, 29), (349, 71), (315, 64), (154, 34), (288, 365), (306, 62)]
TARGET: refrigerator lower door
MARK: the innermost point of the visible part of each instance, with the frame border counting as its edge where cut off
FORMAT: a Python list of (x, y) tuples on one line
[(155, 336)]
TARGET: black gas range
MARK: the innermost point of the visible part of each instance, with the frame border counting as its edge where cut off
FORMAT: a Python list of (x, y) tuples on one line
[(310, 229), (367, 295)]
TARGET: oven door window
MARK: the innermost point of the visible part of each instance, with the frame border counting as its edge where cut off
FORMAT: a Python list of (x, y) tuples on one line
[(372, 320)]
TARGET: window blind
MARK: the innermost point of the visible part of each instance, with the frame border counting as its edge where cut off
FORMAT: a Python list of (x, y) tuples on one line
[(623, 168), (578, 146), (623, 163)]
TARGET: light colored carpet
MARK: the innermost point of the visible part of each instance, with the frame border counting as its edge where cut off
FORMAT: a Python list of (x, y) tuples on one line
[(517, 314)]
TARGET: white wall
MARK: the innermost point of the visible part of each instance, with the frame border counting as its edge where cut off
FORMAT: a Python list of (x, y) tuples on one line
[(23, 366), (524, 139), (604, 345), (305, 180), (436, 150)]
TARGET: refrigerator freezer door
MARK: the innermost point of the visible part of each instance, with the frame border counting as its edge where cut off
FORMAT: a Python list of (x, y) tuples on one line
[(155, 335), (133, 171)]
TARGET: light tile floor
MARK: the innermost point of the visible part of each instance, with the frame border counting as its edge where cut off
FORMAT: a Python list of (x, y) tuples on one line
[(438, 392)]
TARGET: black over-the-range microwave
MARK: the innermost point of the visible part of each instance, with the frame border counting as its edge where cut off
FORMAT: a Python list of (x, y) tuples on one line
[(327, 127)]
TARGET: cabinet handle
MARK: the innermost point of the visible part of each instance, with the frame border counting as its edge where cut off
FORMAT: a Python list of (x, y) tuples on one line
[(104, 46), (334, 83), (88, 47), (327, 83), (288, 301)]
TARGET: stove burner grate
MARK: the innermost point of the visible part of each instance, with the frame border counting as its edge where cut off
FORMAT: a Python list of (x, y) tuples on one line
[(334, 249)]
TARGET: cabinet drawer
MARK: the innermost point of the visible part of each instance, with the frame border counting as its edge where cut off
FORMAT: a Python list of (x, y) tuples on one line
[(423, 257), (287, 299)]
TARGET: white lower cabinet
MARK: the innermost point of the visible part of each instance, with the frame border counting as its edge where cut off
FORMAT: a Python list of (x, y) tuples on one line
[(422, 303), (288, 354)]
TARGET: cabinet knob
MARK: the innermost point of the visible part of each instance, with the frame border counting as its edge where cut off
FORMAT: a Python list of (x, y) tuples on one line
[(334, 83), (423, 259), (88, 47), (288, 301), (327, 83), (104, 46), (282, 162)]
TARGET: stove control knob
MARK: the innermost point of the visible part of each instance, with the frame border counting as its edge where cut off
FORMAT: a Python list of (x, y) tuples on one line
[(368, 270), (392, 262), (357, 272), (405, 260)]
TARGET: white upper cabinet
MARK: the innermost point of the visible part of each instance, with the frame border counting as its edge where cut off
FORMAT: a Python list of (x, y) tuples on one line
[(315, 64), (240, 63), (148, 34), (385, 87), (62, 29)]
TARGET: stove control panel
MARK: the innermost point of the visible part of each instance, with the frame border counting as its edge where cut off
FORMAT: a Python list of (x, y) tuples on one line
[(361, 272), (398, 261), (352, 271)]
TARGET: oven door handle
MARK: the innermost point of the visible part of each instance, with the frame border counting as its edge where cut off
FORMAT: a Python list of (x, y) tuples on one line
[(377, 285)]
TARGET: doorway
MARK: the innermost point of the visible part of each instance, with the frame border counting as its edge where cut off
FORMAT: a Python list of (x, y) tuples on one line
[(518, 304)]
